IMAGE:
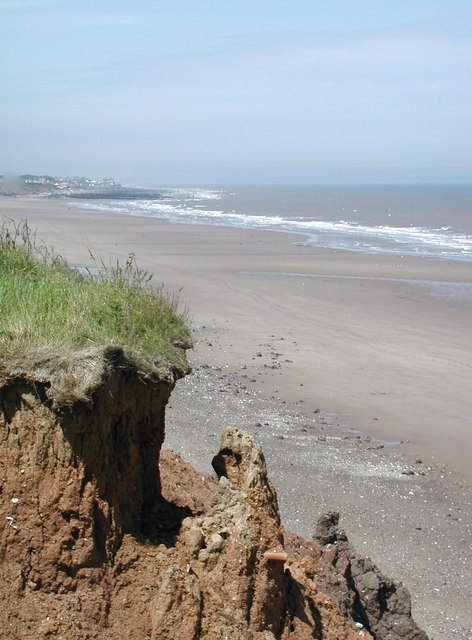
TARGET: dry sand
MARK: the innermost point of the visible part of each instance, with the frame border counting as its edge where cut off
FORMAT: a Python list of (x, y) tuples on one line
[(364, 339)]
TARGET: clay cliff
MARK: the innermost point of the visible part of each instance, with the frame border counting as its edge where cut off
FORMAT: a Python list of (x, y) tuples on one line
[(105, 535)]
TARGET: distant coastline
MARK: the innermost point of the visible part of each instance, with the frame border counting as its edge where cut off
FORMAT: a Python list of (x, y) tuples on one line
[(426, 221), (74, 187)]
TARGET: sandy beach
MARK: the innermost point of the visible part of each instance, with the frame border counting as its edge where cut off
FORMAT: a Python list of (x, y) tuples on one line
[(354, 372)]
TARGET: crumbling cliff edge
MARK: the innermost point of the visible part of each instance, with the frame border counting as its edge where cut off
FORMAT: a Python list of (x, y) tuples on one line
[(105, 535)]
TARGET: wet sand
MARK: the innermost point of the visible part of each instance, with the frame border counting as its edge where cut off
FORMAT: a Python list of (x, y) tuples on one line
[(283, 330)]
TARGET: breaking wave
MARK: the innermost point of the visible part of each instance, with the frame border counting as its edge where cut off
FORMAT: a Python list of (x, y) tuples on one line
[(197, 206)]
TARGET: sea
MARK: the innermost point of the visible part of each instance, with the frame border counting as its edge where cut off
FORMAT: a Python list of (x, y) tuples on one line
[(433, 221)]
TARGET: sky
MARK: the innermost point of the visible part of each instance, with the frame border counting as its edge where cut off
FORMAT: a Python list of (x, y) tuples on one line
[(179, 92)]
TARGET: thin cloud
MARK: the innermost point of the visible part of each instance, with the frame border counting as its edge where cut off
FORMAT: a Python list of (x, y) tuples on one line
[(373, 58), (20, 4), (64, 19), (370, 59), (95, 19)]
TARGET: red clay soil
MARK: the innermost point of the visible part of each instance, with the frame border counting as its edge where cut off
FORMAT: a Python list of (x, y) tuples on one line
[(104, 535)]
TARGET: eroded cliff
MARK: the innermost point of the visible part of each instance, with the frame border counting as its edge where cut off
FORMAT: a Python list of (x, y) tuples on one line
[(104, 535)]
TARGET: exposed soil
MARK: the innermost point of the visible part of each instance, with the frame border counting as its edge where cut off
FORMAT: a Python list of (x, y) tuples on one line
[(96, 542)]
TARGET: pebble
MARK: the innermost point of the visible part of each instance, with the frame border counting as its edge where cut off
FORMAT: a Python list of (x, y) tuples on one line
[(327, 477)]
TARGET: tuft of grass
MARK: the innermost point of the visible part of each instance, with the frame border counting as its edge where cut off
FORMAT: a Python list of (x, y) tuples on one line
[(44, 303)]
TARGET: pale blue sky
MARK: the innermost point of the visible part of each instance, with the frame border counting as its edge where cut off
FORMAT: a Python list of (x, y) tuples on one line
[(219, 92)]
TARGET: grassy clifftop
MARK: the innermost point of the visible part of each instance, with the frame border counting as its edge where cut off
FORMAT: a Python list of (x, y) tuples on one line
[(43, 303)]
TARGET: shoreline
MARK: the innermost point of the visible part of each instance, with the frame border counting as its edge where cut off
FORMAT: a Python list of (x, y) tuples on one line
[(346, 359), (362, 321), (414, 227)]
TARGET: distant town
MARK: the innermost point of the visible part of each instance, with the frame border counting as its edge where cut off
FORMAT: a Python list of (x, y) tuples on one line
[(30, 183), (72, 184), (72, 187)]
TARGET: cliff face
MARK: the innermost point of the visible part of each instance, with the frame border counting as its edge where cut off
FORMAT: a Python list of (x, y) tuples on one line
[(95, 542), (74, 480)]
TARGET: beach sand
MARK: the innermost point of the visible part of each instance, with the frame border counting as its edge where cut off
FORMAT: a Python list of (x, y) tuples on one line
[(353, 371)]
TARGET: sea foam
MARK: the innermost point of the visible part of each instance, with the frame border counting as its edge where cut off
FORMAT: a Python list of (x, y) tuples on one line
[(196, 206)]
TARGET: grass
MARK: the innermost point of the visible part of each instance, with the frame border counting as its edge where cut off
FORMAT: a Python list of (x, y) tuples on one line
[(43, 303)]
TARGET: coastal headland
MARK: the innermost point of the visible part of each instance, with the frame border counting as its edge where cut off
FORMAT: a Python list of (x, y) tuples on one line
[(353, 370)]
